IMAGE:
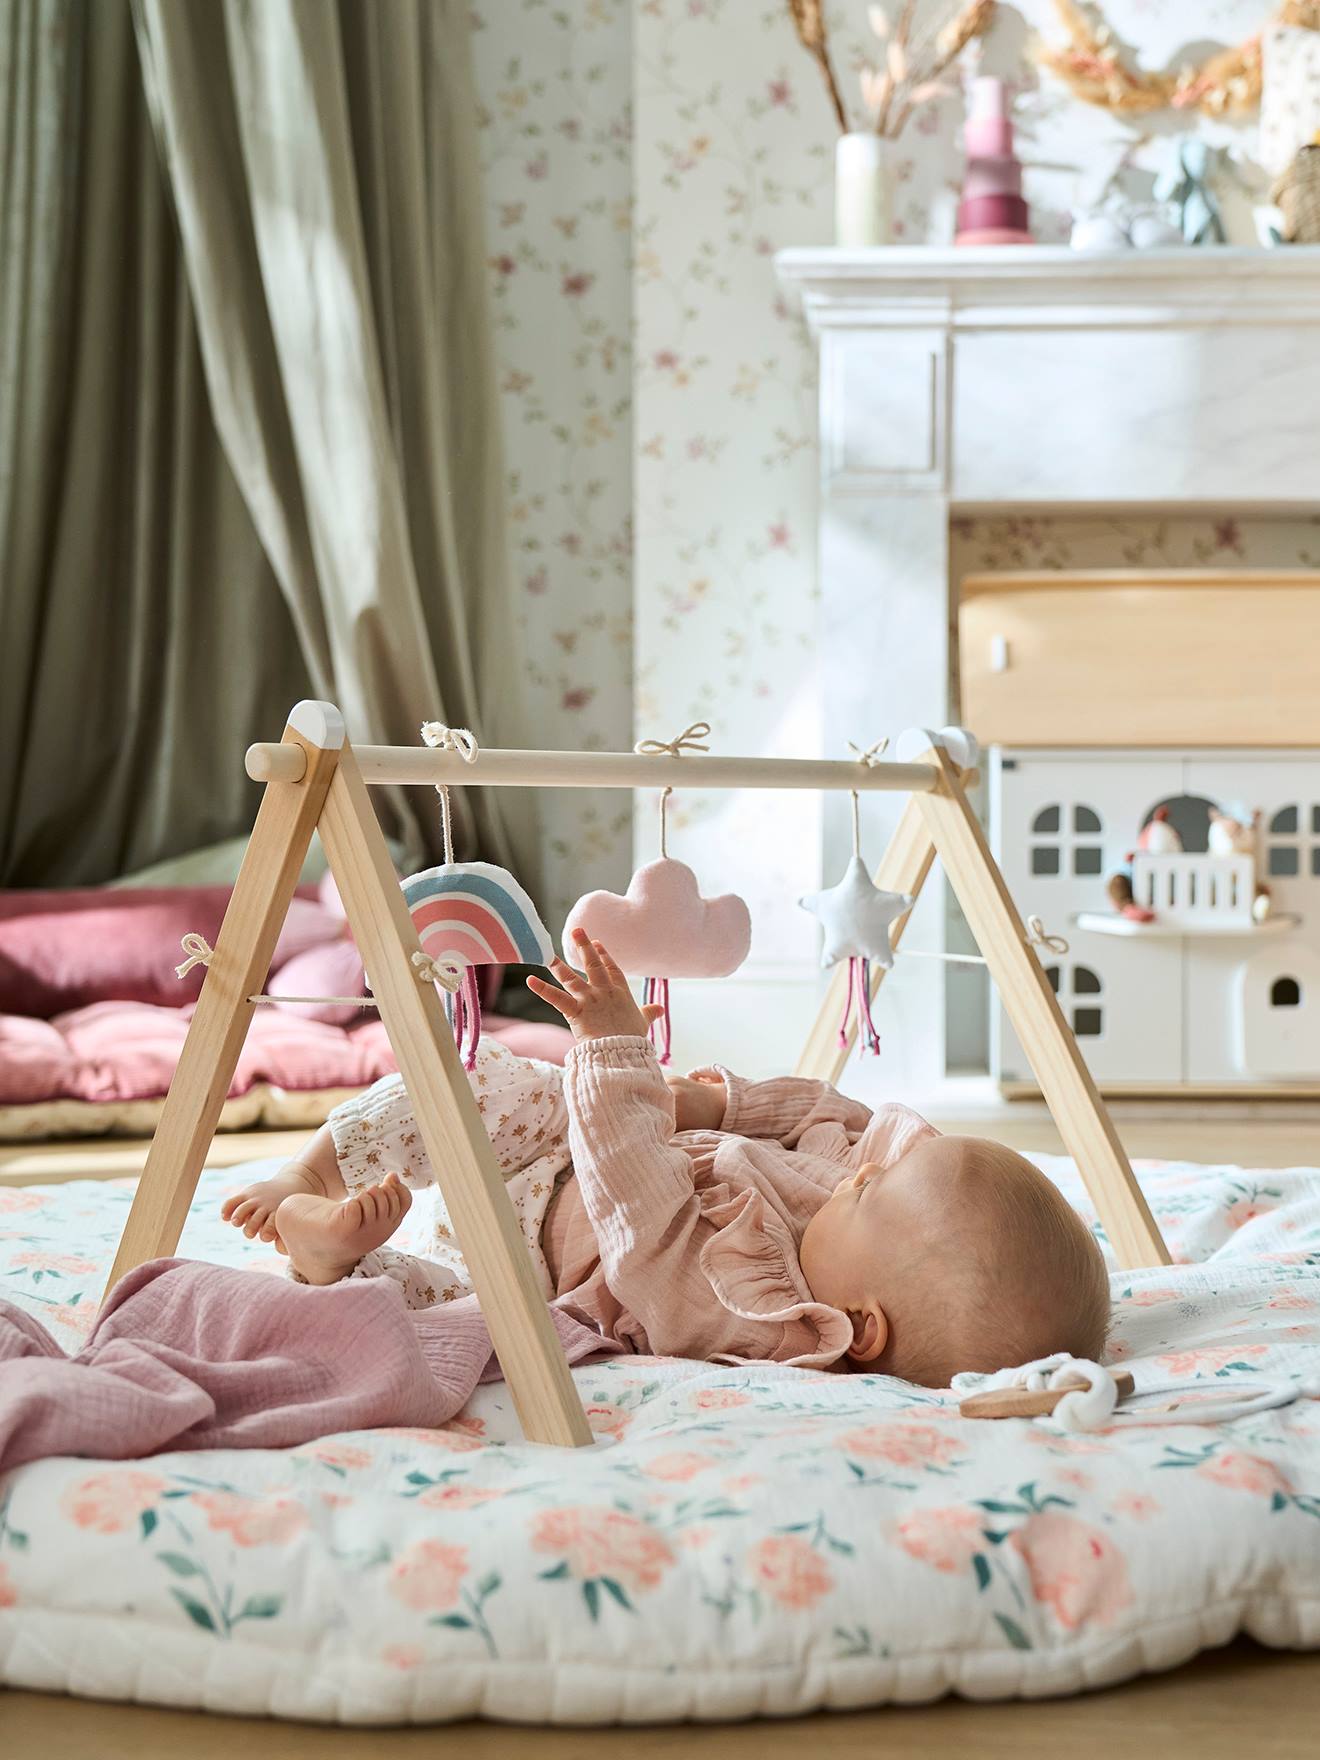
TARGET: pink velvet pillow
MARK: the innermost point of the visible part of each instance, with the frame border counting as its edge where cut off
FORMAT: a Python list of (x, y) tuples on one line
[(333, 969), (66, 950)]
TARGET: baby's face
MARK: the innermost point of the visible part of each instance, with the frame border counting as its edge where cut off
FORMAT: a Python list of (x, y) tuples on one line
[(851, 1244), (958, 1252)]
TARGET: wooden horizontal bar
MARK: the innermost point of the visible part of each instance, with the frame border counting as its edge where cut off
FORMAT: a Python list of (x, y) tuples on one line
[(513, 769)]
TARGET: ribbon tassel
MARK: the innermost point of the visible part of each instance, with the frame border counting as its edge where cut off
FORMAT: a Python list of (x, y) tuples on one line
[(859, 992), (660, 1031)]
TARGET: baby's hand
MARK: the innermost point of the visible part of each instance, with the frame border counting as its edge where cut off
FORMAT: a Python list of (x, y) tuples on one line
[(595, 1002), (700, 1100)]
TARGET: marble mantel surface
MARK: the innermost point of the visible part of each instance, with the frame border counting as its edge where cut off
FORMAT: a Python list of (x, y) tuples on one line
[(1042, 376), (1224, 283)]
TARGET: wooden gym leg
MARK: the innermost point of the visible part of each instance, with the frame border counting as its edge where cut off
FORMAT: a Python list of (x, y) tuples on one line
[(1071, 1095), (903, 868), (456, 1141), (243, 952)]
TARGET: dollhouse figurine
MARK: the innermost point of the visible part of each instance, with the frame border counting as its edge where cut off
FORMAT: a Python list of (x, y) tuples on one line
[(992, 210)]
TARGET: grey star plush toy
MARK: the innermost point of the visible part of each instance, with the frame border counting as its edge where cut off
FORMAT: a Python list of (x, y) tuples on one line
[(856, 915)]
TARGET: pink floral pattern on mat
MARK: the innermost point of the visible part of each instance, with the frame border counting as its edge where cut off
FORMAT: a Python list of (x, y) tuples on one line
[(772, 1519)]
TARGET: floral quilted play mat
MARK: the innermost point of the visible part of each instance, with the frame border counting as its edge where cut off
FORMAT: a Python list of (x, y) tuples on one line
[(740, 1541)]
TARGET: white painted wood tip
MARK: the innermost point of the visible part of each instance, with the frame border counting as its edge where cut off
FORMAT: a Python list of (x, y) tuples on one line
[(914, 742), (320, 724), (271, 763)]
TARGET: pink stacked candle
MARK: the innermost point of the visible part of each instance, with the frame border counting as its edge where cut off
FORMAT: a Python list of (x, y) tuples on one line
[(992, 210)]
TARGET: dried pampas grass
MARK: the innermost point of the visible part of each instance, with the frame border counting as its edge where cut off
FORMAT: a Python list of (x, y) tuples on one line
[(913, 61)]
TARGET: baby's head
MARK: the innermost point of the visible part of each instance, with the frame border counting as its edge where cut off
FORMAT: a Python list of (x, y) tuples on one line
[(959, 1256)]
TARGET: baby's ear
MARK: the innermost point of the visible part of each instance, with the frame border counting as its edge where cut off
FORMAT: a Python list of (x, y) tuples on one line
[(870, 1332)]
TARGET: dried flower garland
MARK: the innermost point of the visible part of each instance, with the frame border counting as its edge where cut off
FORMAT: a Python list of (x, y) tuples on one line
[(919, 48), (1227, 84)]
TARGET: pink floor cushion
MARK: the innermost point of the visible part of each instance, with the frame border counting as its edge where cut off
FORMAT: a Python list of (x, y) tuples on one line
[(65, 950), (127, 1051)]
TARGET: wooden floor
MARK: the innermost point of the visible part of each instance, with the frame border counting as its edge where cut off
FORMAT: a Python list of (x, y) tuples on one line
[(1243, 1703), (1267, 1135)]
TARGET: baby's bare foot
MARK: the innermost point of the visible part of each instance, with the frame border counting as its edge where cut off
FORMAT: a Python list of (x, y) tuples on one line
[(253, 1209), (325, 1237)]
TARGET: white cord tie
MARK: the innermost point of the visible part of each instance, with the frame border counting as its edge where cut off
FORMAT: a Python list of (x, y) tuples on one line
[(448, 976), (1092, 1391), (451, 739), (690, 740), (1036, 937), (199, 951), (873, 753)]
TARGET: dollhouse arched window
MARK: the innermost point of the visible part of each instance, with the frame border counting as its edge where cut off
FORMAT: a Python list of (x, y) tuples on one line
[(1079, 991), (1067, 840), (1285, 993), (1288, 841)]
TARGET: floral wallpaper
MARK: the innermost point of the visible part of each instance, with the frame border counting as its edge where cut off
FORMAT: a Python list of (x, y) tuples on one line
[(645, 161), (555, 91)]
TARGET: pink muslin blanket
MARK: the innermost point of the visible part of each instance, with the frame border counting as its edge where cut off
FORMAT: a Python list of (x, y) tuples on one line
[(187, 1356)]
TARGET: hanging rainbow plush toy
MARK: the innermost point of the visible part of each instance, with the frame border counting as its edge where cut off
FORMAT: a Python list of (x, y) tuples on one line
[(470, 914)]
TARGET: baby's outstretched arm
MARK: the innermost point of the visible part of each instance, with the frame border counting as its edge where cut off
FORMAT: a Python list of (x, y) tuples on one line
[(636, 1184)]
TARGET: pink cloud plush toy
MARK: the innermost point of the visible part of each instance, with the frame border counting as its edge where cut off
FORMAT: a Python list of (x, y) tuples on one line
[(663, 928)]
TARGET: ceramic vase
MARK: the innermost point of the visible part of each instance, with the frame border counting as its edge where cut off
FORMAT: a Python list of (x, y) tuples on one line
[(863, 191)]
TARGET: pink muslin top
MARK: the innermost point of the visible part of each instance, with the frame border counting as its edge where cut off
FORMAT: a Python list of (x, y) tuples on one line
[(672, 1244)]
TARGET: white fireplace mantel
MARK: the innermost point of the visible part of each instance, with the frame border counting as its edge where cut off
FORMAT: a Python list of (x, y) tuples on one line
[(955, 380)]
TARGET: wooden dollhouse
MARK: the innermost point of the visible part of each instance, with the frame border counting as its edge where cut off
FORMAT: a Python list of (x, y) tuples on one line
[(1108, 697)]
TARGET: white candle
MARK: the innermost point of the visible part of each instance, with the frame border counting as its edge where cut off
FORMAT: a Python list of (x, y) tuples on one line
[(863, 196)]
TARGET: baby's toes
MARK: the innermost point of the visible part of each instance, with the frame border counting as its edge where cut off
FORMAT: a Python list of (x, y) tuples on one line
[(256, 1221)]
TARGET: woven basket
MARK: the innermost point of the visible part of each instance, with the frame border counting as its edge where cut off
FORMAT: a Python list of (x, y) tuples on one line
[(1297, 195)]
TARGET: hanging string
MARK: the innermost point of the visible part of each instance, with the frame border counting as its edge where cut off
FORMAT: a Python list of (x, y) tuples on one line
[(463, 1002), (449, 739), (656, 990), (869, 757)]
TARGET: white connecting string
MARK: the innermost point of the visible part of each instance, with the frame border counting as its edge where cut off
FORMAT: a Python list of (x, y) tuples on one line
[(1036, 937), (428, 971), (1091, 1396), (690, 740), (449, 739)]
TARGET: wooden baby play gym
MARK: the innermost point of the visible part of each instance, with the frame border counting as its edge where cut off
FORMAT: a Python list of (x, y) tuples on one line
[(314, 780)]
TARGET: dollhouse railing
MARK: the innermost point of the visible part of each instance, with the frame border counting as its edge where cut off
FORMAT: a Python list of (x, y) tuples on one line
[(1196, 892)]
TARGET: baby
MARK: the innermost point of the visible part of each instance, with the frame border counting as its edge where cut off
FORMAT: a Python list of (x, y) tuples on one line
[(708, 1216)]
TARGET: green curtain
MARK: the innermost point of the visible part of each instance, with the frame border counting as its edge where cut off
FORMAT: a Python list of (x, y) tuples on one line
[(322, 156), (143, 638)]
